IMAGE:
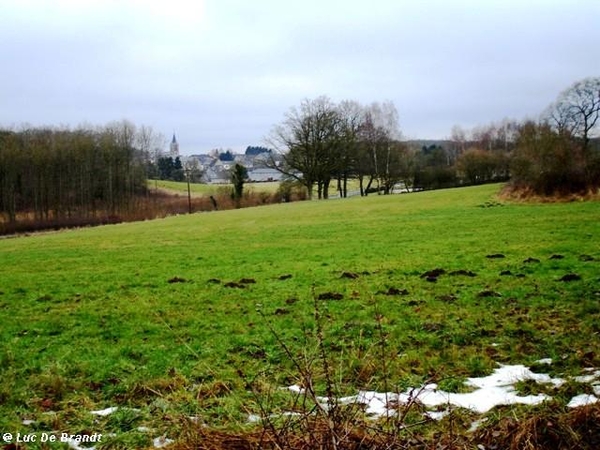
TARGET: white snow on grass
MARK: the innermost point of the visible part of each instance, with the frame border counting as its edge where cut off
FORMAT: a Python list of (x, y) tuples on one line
[(476, 424), (295, 388), (162, 441), (437, 415), (109, 411), (582, 400), (74, 445), (490, 391), (480, 401), (105, 412), (509, 375), (594, 376)]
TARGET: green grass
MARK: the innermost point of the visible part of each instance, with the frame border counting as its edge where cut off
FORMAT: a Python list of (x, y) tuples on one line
[(90, 319)]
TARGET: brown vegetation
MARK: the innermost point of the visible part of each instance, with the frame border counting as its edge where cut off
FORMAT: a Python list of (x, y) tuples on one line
[(524, 194), (545, 429), (152, 205)]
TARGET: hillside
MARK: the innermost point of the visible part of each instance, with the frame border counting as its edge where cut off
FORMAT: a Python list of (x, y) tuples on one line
[(180, 317)]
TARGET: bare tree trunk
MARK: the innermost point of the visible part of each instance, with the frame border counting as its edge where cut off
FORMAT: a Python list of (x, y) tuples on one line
[(326, 188), (360, 185), (371, 178)]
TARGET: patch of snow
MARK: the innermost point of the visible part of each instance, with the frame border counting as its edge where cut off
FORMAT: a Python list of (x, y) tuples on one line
[(376, 403), (105, 412), (109, 411), (508, 375), (480, 401), (476, 424), (436, 415), (582, 400), (295, 388), (588, 378), (493, 390), (490, 391), (162, 441), (255, 418), (74, 445)]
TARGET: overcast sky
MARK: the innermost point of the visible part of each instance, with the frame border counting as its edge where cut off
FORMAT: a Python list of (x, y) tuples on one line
[(222, 73)]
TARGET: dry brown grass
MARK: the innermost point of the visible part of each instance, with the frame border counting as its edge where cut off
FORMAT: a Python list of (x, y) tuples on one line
[(198, 437), (552, 429), (528, 195), (549, 429)]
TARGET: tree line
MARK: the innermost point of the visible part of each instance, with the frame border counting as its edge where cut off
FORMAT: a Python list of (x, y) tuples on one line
[(50, 174), (321, 143)]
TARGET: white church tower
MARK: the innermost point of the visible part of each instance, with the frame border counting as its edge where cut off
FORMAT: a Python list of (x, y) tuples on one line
[(174, 148)]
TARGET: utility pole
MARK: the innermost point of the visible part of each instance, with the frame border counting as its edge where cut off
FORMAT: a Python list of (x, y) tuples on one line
[(188, 173)]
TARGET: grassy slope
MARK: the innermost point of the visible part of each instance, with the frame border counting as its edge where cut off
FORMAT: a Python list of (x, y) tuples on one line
[(90, 320)]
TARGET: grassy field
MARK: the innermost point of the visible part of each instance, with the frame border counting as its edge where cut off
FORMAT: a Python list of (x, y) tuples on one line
[(177, 317), (199, 189)]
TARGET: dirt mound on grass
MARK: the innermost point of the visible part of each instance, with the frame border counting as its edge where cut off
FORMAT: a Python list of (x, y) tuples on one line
[(433, 273), (570, 277), (330, 296), (176, 280), (394, 291)]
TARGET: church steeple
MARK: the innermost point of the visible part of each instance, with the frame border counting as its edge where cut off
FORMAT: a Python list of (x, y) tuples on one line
[(174, 147)]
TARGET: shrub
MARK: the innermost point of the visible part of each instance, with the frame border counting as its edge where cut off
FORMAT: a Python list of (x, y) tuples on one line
[(548, 162)]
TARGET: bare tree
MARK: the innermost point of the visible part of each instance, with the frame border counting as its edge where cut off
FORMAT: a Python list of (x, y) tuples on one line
[(577, 110), (378, 133), (308, 141), (150, 144), (459, 138), (320, 141), (575, 114), (352, 116)]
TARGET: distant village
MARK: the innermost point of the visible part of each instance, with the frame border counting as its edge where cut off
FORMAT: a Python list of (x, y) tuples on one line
[(215, 166)]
